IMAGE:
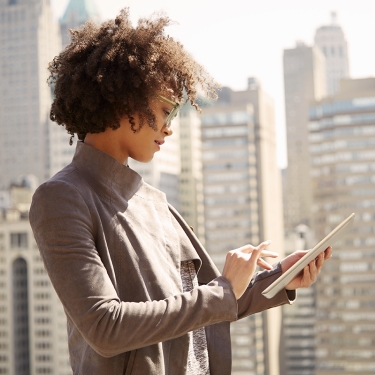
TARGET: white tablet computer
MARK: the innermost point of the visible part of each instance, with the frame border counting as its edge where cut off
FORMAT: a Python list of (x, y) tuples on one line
[(293, 271)]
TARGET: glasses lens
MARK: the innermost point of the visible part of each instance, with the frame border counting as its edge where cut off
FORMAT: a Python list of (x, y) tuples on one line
[(174, 111), (172, 115)]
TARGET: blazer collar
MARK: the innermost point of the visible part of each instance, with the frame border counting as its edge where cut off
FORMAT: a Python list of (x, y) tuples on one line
[(104, 173)]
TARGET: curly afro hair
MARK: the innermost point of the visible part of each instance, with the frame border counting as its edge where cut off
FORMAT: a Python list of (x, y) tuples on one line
[(111, 70)]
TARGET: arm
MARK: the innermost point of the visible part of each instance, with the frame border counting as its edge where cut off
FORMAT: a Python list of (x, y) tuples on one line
[(245, 259), (252, 301), (65, 234)]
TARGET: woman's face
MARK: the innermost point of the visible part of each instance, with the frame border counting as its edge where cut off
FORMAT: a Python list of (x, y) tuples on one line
[(123, 143), (142, 145)]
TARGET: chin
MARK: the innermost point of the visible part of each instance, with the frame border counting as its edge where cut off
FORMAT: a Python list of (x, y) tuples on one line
[(144, 159)]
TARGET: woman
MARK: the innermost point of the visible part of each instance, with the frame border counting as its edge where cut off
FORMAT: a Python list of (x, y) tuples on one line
[(140, 293)]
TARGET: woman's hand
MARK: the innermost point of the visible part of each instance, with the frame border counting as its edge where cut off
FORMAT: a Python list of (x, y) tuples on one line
[(240, 265), (310, 273)]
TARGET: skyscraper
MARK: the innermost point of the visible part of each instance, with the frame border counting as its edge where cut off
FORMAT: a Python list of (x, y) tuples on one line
[(342, 144), (298, 325), (191, 177), (242, 204), (163, 171), (29, 40), (33, 337), (304, 82), (330, 39), (77, 13)]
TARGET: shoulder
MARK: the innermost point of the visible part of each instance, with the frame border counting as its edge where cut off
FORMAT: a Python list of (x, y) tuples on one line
[(57, 185), (61, 193)]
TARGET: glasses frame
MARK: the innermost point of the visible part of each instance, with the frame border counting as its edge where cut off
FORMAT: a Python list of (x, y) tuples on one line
[(174, 111)]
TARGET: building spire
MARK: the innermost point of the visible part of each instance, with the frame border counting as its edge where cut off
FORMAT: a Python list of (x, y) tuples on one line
[(81, 11), (333, 18), (77, 13)]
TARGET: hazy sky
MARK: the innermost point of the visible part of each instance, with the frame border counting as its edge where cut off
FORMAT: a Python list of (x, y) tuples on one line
[(242, 38)]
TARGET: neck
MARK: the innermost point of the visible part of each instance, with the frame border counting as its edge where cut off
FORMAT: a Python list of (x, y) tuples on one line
[(106, 142)]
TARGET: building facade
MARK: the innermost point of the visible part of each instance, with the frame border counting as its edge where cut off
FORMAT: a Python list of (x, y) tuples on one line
[(191, 177), (29, 142), (330, 39), (342, 146), (242, 204), (304, 82), (297, 355), (163, 171), (33, 338)]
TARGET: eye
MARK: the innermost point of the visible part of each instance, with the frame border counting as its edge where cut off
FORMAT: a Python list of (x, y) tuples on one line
[(167, 112)]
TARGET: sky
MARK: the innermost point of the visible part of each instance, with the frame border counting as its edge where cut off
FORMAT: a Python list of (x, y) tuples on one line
[(238, 39)]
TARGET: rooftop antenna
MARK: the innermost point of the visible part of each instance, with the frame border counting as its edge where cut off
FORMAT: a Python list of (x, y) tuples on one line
[(333, 18)]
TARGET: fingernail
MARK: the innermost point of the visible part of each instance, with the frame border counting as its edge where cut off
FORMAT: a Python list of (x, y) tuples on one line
[(268, 241)]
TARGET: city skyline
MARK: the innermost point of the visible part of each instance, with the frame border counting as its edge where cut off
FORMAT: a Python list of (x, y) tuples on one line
[(342, 138), (227, 183), (262, 57)]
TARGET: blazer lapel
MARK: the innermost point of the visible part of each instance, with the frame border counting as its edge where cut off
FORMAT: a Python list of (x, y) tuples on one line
[(206, 270)]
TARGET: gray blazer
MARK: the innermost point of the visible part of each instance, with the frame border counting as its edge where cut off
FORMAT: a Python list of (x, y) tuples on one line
[(114, 257)]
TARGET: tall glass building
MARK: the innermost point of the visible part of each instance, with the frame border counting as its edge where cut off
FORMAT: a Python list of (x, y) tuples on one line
[(163, 171), (304, 82), (77, 13), (191, 178), (331, 41), (298, 325), (342, 146), (33, 338), (243, 204), (29, 40)]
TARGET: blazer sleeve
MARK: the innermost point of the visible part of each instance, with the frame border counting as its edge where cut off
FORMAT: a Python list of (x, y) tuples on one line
[(253, 301), (64, 230)]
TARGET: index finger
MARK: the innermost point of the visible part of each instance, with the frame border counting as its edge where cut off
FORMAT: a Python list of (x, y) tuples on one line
[(269, 254), (263, 245), (259, 248)]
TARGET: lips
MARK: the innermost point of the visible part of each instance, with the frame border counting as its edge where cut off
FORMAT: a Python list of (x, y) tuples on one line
[(159, 143)]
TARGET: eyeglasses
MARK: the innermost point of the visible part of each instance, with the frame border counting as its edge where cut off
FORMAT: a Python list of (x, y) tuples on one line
[(173, 113)]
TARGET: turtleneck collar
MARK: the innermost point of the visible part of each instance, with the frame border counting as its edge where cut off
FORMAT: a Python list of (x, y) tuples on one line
[(104, 173)]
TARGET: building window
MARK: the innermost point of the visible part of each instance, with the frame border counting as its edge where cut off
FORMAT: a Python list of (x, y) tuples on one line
[(43, 345), (21, 317), (44, 370), (18, 240)]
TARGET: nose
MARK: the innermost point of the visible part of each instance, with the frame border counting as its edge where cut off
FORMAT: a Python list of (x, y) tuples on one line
[(168, 131)]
